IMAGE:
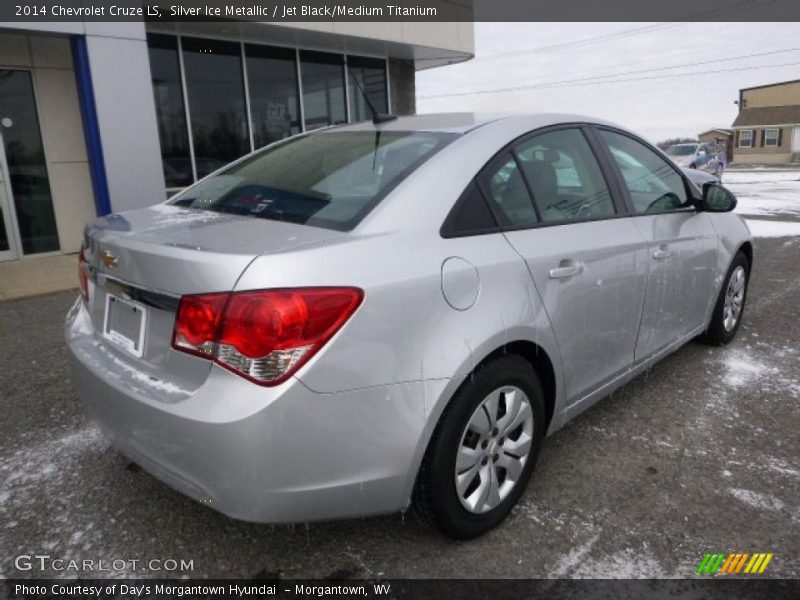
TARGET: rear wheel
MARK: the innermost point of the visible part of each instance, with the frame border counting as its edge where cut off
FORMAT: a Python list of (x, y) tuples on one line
[(483, 450), (729, 308)]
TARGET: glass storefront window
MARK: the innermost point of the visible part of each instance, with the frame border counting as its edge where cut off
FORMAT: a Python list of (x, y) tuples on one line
[(218, 111), (27, 170), (170, 111), (323, 89), (217, 107), (370, 75), (274, 102)]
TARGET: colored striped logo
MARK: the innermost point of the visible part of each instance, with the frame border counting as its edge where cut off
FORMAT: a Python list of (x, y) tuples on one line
[(734, 563)]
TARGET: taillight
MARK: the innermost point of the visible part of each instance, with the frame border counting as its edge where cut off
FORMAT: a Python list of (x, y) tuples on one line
[(83, 275), (197, 323), (266, 335)]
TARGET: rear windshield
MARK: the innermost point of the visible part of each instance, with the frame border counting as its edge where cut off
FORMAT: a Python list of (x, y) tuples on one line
[(330, 179)]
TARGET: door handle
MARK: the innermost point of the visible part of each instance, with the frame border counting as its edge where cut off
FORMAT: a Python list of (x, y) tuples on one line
[(662, 253), (566, 271)]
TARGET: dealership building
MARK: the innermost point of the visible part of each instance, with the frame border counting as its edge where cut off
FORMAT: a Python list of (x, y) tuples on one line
[(100, 117)]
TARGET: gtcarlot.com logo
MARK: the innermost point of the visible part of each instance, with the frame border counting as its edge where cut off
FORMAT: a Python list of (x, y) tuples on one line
[(734, 563), (46, 562)]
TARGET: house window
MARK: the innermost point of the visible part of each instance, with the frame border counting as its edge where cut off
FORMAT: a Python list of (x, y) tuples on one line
[(746, 138), (771, 137)]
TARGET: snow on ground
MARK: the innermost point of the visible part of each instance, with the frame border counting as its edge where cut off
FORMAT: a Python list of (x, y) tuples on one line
[(764, 228), (756, 500), (765, 195), (762, 192)]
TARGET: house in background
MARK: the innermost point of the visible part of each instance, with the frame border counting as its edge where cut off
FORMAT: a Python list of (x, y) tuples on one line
[(715, 136), (720, 137), (767, 128)]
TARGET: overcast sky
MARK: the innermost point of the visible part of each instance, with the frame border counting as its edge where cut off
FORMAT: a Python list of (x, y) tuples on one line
[(661, 97)]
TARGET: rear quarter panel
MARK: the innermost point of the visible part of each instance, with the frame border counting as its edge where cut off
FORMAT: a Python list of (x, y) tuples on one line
[(405, 330)]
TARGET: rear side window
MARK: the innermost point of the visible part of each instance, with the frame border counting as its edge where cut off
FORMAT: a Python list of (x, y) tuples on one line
[(565, 179), (470, 215), (653, 184), (331, 179)]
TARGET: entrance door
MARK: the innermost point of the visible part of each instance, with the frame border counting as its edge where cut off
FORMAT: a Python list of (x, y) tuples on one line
[(796, 139), (8, 246), (28, 221)]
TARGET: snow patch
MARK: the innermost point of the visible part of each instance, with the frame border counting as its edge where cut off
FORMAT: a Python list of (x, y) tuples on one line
[(771, 229), (756, 500), (45, 461), (567, 564), (778, 466), (627, 564), (742, 369), (763, 192)]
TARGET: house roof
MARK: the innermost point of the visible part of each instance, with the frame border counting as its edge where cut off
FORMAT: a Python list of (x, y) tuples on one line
[(769, 85), (719, 129), (768, 115)]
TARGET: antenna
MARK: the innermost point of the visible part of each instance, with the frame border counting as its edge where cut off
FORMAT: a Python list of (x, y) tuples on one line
[(377, 118)]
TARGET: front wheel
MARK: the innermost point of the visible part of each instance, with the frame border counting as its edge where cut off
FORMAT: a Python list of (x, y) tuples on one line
[(729, 308), (483, 450)]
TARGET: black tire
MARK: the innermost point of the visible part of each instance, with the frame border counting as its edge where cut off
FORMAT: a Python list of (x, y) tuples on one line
[(436, 500), (717, 334), (692, 166)]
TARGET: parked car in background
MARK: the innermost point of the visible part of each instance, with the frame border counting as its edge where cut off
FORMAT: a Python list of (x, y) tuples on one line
[(692, 155), (370, 316), (703, 156)]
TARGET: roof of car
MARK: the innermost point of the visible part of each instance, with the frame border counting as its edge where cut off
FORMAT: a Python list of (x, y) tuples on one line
[(466, 121)]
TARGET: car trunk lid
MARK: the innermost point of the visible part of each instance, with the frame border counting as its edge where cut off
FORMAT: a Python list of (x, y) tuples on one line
[(142, 262)]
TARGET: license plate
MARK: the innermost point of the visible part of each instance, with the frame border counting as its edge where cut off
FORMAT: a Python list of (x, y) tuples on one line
[(124, 324)]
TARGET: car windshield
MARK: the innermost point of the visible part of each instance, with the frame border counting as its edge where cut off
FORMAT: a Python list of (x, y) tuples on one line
[(328, 179), (682, 150)]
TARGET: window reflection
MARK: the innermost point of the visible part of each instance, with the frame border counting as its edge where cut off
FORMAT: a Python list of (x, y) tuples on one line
[(323, 89), (274, 103), (170, 111), (30, 185), (215, 87), (369, 75)]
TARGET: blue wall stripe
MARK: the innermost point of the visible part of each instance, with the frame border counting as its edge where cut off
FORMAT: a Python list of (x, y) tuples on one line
[(91, 128)]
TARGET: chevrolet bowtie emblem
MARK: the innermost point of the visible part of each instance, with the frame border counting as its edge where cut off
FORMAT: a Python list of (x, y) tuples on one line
[(108, 259)]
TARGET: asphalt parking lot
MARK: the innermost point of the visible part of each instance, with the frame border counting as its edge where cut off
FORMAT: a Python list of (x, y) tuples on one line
[(698, 455)]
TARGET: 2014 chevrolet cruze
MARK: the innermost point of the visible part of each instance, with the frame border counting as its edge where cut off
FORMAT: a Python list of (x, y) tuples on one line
[(367, 316)]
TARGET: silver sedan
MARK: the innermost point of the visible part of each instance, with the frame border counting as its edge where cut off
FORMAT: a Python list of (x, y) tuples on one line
[(371, 316)]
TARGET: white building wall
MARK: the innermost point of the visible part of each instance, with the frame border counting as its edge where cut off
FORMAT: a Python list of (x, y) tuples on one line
[(127, 120)]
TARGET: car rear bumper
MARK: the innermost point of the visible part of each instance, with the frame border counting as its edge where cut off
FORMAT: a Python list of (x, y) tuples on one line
[(282, 454)]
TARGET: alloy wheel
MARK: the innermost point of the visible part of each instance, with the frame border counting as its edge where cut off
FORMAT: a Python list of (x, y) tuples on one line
[(494, 449), (734, 298)]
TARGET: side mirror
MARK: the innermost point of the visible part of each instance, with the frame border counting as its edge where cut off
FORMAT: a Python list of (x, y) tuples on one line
[(717, 198)]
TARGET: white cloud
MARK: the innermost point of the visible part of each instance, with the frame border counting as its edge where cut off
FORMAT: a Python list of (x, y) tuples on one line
[(655, 106)]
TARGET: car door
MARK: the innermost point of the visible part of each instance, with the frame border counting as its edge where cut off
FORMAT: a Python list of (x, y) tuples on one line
[(586, 258), (681, 242)]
